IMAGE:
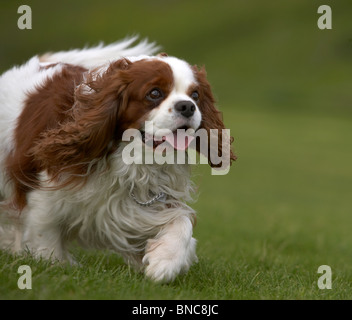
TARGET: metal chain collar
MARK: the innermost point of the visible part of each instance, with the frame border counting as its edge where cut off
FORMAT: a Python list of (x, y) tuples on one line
[(161, 196)]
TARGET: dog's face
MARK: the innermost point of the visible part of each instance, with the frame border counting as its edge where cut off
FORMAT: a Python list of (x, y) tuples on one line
[(163, 92), (174, 99)]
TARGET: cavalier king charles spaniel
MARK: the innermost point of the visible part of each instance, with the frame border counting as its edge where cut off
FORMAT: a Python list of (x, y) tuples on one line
[(62, 176)]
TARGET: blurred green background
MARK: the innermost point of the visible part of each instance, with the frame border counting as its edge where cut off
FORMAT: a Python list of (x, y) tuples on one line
[(284, 87), (259, 54)]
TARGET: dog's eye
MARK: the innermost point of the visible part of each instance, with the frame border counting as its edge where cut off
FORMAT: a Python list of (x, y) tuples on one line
[(155, 95), (195, 96)]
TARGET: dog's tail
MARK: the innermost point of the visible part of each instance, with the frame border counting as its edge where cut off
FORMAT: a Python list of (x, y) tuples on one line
[(96, 56)]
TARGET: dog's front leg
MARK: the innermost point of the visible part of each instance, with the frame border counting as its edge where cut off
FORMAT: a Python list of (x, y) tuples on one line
[(171, 252)]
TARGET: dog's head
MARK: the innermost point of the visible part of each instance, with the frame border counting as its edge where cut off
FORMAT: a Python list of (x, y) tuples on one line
[(166, 91)]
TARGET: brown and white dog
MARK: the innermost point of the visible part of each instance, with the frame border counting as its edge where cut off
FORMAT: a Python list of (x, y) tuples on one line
[(62, 178)]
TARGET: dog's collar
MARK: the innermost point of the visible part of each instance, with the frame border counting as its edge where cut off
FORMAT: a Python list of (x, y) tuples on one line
[(161, 197)]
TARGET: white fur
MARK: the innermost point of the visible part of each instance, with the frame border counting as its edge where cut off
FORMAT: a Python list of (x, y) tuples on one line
[(96, 56), (102, 214)]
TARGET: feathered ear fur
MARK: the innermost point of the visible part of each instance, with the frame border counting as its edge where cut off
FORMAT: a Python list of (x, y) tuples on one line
[(90, 132), (212, 122)]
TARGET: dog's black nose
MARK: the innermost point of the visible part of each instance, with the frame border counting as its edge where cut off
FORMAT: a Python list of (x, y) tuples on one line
[(186, 108)]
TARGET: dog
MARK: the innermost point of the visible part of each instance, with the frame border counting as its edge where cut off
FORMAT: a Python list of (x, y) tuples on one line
[(62, 174)]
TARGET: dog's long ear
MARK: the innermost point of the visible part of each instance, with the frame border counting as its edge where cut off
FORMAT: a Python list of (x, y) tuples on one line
[(218, 135), (90, 129)]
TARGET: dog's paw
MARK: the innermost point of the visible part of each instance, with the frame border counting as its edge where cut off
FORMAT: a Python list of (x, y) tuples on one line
[(163, 262)]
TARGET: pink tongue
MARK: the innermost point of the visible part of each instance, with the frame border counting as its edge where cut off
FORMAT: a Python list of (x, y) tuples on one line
[(179, 140)]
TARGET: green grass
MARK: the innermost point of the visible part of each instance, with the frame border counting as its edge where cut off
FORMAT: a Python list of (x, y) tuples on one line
[(284, 88)]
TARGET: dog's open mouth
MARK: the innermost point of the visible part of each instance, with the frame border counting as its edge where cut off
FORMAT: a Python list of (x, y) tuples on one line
[(179, 139)]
